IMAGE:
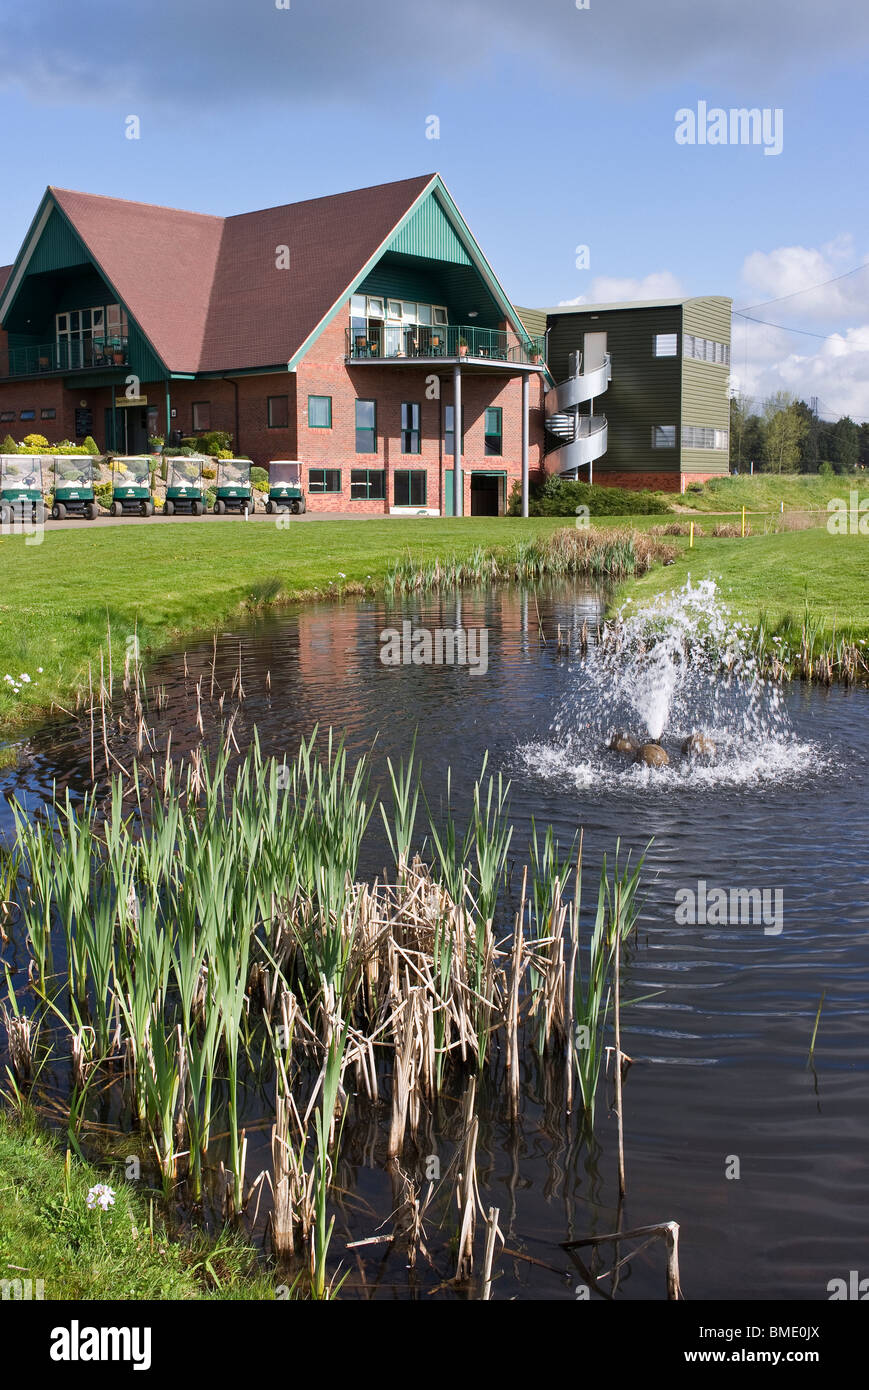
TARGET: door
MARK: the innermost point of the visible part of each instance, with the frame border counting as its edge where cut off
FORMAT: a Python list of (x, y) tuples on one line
[(449, 493), (593, 351), (487, 491)]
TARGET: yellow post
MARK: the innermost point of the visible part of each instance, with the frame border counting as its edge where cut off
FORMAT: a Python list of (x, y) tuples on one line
[(743, 521), (691, 536)]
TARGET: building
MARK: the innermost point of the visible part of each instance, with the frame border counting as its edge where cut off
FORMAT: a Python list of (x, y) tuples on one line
[(346, 332), (350, 333), (658, 372)]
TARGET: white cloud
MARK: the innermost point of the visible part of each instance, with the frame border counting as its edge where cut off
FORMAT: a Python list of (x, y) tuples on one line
[(786, 273), (605, 289)]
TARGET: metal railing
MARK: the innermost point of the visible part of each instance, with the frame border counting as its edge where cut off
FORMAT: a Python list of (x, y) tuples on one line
[(67, 355), (454, 341)]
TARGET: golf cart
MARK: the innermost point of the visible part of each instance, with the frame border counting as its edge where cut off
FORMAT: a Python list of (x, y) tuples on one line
[(74, 488), (285, 487), (21, 488), (234, 492), (184, 493), (131, 486)]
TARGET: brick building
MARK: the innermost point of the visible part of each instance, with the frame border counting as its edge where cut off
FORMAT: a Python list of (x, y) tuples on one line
[(348, 332)]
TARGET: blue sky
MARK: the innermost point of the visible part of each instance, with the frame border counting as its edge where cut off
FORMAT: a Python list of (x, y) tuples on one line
[(556, 129)]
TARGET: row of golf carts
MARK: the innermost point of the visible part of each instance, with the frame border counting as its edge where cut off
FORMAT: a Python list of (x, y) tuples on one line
[(72, 480)]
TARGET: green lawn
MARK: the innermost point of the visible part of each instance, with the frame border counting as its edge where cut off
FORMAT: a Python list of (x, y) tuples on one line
[(48, 1233), (776, 575)]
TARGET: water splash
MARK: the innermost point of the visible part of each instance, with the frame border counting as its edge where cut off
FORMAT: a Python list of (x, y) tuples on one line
[(677, 667)]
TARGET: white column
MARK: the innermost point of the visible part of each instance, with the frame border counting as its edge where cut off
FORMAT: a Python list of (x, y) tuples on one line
[(526, 399), (458, 480)]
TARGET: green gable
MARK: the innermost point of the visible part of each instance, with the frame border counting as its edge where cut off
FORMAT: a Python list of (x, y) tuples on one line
[(429, 233)]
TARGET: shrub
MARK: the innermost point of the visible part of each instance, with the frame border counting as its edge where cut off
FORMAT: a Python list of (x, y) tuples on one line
[(8, 446), (103, 494), (36, 441), (826, 469), (561, 497), (209, 472), (89, 445), (260, 478)]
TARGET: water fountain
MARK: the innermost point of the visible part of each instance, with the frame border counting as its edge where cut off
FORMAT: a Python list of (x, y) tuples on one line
[(673, 692)]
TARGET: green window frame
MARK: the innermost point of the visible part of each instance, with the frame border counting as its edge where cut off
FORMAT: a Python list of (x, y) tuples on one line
[(278, 412), (324, 479), (411, 433), (410, 487), (366, 427), (368, 484), (319, 412), (494, 431)]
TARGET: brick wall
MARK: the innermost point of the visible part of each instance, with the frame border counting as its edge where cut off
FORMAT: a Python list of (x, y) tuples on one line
[(38, 396)]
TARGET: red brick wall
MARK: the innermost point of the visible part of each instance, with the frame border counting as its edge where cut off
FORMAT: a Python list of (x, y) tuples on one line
[(688, 478), (654, 482), (323, 372), (38, 395)]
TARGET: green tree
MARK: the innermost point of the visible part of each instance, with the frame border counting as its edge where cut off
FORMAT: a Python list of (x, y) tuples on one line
[(844, 445), (785, 432), (810, 455)]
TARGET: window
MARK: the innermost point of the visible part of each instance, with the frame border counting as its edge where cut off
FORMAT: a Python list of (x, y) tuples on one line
[(704, 437), (410, 429), (707, 350), (27, 415), (48, 414), (439, 314), (666, 344), (450, 431), (663, 436), (201, 415), (366, 427), (7, 416), (367, 483), (493, 430), (324, 479), (278, 412), (319, 412), (409, 488)]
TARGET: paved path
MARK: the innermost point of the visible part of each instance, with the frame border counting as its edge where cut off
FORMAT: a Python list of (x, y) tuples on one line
[(158, 519)]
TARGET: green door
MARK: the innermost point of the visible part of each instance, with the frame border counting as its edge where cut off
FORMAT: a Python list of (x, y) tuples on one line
[(449, 492)]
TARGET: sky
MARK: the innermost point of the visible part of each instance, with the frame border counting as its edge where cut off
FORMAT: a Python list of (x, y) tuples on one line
[(555, 128)]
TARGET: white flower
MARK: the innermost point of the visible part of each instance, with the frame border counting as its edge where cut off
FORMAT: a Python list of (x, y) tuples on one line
[(9, 679), (341, 575), (101, 1196), (39, 670), (24, 677)]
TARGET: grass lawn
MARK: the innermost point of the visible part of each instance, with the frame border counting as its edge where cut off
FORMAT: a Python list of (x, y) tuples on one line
[(775, 576), (47, 1233)]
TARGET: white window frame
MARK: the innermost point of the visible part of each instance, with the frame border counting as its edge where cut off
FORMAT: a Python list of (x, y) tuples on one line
[(665, 338), (669, 445)]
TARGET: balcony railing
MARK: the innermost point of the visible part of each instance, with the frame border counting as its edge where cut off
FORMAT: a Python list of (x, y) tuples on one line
[(67, 355), (454, 341)]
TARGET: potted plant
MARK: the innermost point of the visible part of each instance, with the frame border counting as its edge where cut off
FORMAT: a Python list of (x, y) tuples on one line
[(155, 444), (463, 346)]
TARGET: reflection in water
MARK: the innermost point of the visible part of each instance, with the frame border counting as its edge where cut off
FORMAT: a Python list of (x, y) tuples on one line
[(723, 1017)]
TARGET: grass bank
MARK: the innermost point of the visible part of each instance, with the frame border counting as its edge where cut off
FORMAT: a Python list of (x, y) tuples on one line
[(765, 492), (48, 1234)]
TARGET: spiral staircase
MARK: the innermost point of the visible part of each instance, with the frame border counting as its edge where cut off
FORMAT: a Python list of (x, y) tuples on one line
[(582, 437)]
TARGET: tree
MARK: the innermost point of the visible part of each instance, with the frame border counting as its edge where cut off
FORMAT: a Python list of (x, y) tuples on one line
[(746, 435), (863, 445), (844, 445), (785, 431), (810, 455)]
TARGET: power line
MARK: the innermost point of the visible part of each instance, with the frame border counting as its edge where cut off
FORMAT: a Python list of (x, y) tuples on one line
[(804, 332), (808, 289)]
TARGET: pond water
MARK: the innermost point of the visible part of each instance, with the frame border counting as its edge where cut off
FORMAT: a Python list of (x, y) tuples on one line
[(721, 1033)]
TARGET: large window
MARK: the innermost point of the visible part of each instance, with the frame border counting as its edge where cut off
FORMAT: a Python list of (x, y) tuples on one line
[(320, 412), (90, 335), (666, 344), (367, 483), (704, 437), (366, 427), (493, 430), (410, 428), (663, 436), (278, 412), (450, 431), (201, 416), (324, 479), (409, 487), (706, 350)]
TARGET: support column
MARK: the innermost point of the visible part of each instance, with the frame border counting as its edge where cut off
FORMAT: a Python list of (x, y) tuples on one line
[(168, 414), (526, 400), (458, 479)]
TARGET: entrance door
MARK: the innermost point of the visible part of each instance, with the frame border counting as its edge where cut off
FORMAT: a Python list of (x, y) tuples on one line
[(487, 491), (449, 492), (593, 351)]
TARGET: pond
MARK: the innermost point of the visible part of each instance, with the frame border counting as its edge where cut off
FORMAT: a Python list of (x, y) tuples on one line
[(757, 1153)]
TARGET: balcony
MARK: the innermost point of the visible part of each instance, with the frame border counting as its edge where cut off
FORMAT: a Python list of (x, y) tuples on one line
[(67, 355), (487, 347)]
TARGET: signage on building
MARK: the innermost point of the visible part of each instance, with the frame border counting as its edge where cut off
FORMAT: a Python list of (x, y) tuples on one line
[(131, 400), (84, 422)]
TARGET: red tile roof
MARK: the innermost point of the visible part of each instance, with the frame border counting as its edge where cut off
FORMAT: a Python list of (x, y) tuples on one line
[(206, 291)]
